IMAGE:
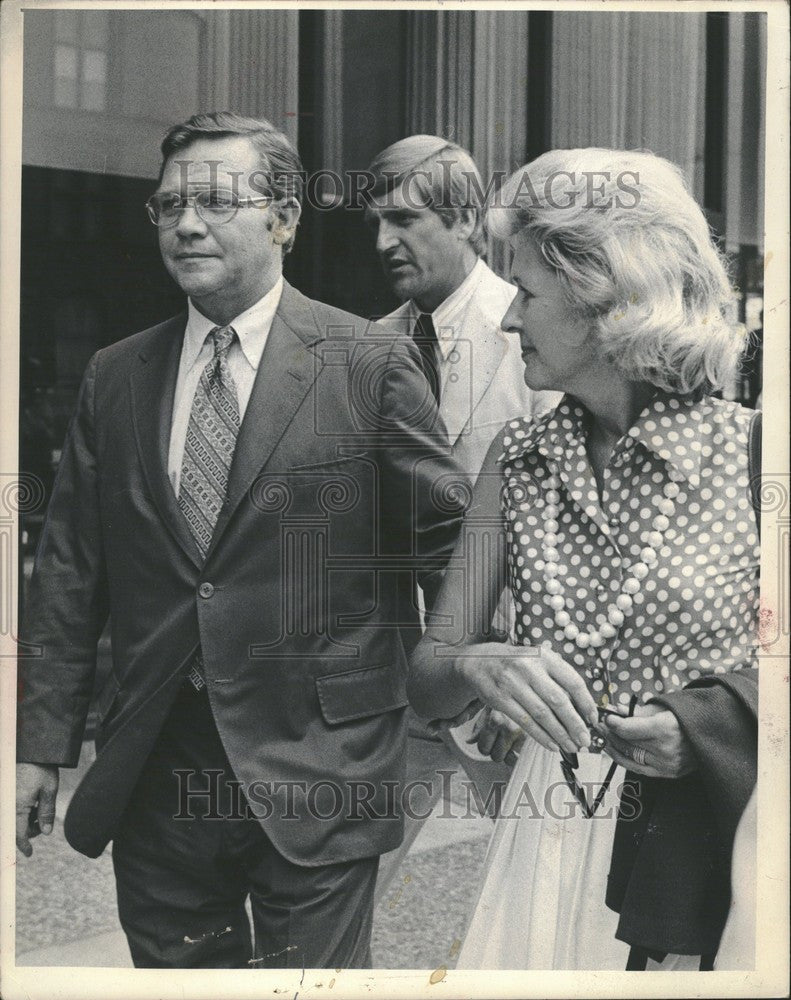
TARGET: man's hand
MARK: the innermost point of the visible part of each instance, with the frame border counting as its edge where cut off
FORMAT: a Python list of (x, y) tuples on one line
[(438, 725), (654, 733), (497, 736), (36, 792)]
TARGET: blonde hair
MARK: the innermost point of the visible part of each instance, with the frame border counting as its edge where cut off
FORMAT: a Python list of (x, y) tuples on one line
[(635, 254)]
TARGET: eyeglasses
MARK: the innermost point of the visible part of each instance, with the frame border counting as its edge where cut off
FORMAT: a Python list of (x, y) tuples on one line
[(214, 206), (569, 764)]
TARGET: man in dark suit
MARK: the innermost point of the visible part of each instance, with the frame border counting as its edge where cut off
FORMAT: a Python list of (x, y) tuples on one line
[(248, 492)]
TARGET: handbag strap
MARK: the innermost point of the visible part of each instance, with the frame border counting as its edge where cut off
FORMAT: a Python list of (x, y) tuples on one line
[(754, 465)]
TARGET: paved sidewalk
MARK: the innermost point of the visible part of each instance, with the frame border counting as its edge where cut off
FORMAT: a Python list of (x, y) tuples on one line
[(66, 912)]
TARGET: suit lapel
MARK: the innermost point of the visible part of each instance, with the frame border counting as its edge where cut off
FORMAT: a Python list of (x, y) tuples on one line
[(481, 346), (287, 370), (152, 386)]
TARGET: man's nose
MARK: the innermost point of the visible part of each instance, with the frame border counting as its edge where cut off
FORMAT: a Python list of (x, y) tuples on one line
[(385, 237), (190, 223)]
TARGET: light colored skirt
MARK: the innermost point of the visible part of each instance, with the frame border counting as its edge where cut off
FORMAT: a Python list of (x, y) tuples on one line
[(541, 900)]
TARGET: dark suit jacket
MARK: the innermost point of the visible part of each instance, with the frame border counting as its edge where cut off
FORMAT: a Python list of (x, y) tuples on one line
[(339, 487)]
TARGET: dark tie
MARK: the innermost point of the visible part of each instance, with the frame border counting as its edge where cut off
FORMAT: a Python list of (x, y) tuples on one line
[(211, 438), (425, 337)]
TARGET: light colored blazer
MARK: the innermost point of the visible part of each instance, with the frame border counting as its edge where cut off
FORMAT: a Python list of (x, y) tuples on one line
[(483, 387), (483, 382)]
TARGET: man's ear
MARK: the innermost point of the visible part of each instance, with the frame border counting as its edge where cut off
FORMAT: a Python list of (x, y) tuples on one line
[(465, 225), (287, 213)]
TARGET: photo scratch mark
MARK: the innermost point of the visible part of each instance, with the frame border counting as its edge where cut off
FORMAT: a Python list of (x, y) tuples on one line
[(208, 934), (273, 954)]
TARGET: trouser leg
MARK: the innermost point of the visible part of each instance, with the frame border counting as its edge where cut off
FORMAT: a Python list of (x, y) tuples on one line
[(179, 916), (180, 895), (312, 917), (182, 882)]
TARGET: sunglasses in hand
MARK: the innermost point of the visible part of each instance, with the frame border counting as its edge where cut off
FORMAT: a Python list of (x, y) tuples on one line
[(569, 763)]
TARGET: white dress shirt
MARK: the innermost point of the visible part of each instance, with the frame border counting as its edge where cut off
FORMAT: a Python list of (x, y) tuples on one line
[(448, 317), (252, 329)]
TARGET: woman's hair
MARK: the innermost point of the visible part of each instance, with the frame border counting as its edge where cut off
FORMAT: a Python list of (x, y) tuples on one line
[(635, 254)]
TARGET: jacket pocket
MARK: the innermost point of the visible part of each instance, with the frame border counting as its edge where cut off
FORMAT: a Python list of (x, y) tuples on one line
[(357, 694), (343, 463)]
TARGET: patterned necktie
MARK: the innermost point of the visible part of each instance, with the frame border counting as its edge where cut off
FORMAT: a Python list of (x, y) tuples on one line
[(208, 451), (425, 338)]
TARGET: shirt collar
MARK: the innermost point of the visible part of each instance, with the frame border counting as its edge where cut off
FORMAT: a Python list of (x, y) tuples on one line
[(446, 317), (668, 427), (252, 328)]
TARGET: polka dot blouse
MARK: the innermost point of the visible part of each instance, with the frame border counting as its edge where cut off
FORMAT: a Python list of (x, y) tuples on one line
[(696, 610)]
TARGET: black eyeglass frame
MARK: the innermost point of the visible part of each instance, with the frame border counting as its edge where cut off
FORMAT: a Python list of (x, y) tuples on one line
[(569, 764), (183, 201)]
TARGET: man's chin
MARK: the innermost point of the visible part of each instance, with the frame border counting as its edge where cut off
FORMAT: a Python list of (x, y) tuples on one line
[(404, 288), (192, 284)]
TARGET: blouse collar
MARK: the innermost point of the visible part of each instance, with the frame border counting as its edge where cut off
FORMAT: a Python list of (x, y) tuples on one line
[(668, 426)]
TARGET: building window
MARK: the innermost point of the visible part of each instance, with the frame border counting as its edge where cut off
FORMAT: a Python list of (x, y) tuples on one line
[(81, 41)]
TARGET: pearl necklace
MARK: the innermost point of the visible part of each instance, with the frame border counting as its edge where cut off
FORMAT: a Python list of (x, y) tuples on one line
[(623, 605)]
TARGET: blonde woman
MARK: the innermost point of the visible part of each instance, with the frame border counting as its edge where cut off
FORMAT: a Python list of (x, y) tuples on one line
[(623, 525)]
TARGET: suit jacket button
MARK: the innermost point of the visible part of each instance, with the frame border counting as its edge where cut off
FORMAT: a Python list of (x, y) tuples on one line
[(206, 590)]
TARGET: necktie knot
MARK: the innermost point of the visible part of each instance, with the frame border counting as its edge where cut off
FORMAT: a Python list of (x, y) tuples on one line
[(424, 327), (222, 337)]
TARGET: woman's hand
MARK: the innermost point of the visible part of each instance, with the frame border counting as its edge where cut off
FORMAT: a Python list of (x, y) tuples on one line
[(535, 688), (655, 731)]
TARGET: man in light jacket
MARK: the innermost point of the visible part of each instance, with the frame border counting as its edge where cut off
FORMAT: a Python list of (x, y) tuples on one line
[(426, 210)]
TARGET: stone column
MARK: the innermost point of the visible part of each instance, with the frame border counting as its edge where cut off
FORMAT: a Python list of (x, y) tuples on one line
[(251, 64)]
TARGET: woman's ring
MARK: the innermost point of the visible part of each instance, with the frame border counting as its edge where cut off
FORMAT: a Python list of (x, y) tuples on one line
[(638, 756)]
